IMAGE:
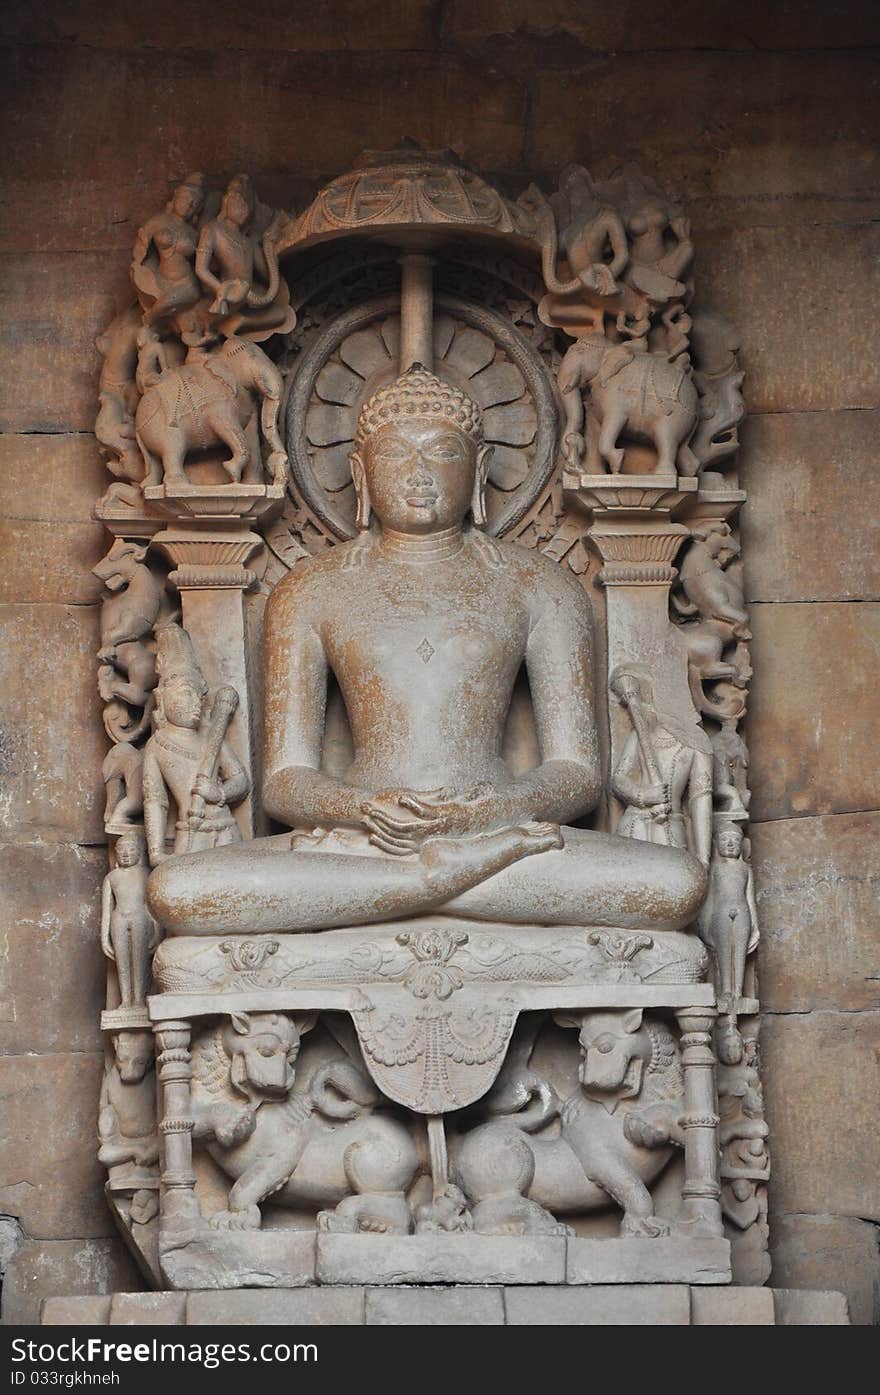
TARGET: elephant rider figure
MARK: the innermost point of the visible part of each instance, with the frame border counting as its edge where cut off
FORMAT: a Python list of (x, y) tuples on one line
[(188, 759)]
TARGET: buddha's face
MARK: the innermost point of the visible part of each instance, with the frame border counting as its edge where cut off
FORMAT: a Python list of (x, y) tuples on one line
[(419, 475)]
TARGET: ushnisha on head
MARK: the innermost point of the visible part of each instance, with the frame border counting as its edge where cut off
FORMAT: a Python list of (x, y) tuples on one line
[(419, 461)]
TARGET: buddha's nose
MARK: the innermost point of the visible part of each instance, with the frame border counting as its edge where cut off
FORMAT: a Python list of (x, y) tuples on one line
[(420, 477)]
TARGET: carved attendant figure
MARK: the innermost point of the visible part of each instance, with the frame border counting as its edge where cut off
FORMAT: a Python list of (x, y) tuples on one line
[(664, 766), (426, 624), (728, 922), (128, 932), (187, 757)]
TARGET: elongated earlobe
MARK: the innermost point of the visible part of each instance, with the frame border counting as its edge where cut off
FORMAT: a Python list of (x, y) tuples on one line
[(478, 501), (359, 477)]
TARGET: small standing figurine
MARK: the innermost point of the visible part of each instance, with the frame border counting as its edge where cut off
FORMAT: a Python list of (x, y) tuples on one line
[(664, 766), (188, 758), (728, 924), (129, 933)]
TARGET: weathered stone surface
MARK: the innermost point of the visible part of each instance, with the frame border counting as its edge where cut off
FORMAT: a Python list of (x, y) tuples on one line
[(623, 28), (242, 1259), (50, 918), (440, 1258), (770, 283), (657, 1261), (435, 1307), (732, 1307), (625, 1305), (817, 888), (309, 26), (811, 526), (812, 708), (818, 1252), (49, 1174), (77, 1312), (47, 487), (52, 307), (774, 133), (301, 1307), (46, 1269), (147, 1309), (798, 1307), (254, 104), (51, 762), (823, 1133)]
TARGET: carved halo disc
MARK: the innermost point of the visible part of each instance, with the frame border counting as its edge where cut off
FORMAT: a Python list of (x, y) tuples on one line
[(475, 348)]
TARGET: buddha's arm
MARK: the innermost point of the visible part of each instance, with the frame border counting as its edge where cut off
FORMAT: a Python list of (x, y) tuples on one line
[(700, 805), (567, 783), (295, 790)]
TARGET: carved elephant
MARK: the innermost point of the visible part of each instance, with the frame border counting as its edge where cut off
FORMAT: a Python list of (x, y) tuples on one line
[(208, 402), (631, 392), (327, 1145), (617, 1134)]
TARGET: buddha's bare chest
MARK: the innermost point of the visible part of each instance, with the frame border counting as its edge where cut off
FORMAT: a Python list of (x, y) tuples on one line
[(412, 640)]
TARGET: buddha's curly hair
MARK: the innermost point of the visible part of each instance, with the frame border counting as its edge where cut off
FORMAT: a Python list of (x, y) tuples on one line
[(419, 393)]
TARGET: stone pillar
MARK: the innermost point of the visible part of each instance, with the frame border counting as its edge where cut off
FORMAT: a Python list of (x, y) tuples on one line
[(212, 578), (416, 310), (634, 533), (701, 1193), (180, 1206)]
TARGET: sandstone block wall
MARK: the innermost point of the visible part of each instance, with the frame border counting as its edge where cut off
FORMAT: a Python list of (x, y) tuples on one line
[(765, 120)]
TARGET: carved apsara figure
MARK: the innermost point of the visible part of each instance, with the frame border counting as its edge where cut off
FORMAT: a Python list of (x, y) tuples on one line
[(212, 400), (188, 760), (728, 923), (633, 394), (239, 268), (664, 774), (129, 934), (731, 766), (426, 624), (162, 267)]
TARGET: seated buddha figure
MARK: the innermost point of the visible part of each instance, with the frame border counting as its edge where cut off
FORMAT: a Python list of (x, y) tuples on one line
[(425, 623)]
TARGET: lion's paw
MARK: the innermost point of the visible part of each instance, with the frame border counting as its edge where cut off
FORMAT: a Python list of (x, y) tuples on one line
[(248, 1219), (650, 1227)]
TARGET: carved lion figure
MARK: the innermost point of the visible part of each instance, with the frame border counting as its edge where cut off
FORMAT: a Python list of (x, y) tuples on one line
[(326, 1145), (617, 1133)]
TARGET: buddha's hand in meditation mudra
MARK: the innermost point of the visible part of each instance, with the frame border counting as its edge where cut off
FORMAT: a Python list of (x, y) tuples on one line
[(401, 821), (425, 628)]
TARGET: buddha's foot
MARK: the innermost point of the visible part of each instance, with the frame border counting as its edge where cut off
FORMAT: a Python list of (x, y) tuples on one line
[(453, 865)]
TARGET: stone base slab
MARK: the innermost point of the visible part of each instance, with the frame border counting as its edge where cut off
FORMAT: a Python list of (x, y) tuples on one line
[(440, 1259), (599, 1305), (670, 1260), (231, 1259), (296, 1259)]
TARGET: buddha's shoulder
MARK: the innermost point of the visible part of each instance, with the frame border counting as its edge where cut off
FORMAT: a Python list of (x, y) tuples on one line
[(312, 575), (532, 569)]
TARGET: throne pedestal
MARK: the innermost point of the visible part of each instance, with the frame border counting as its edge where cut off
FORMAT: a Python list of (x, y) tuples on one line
[(434, 1004)]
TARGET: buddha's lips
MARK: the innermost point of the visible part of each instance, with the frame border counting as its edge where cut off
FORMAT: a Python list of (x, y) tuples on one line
[(421, 500)]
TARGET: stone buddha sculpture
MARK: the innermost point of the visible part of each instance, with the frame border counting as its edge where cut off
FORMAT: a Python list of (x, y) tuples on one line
[(426, 623)]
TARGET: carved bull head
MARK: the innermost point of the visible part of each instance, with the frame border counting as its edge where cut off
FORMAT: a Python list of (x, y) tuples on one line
[(262, 1047), (614, 1049)]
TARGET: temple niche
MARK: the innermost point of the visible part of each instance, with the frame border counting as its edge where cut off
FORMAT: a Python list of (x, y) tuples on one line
[(424, 663)]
